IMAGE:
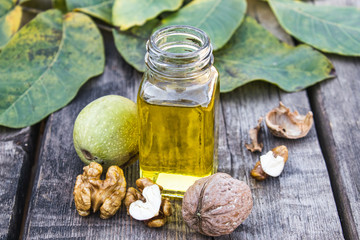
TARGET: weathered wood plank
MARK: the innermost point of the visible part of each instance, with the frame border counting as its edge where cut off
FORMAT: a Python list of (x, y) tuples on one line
[(16, 151), (297, 204), (337, 113)]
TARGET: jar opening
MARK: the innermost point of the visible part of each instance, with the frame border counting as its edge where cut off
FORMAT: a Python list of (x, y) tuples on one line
[(178, 49), (179, 41)]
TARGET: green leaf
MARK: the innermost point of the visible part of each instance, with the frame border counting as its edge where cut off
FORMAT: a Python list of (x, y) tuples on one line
[(60, 4), (101, 9), (218, 18), (10, 18), (255, 54), (328, 28), (127, 13), (131, 44), (44, 65)]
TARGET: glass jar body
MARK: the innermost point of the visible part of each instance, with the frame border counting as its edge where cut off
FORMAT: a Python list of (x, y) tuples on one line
[(178, 128)]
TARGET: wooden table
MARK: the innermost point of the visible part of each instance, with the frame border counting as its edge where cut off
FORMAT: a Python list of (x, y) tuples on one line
[(316, 197)]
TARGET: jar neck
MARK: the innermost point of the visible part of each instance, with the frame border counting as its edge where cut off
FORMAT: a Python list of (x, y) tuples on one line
[(179, 53)]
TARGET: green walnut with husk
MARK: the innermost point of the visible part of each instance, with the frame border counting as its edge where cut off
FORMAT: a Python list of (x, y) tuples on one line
[(106, 132)]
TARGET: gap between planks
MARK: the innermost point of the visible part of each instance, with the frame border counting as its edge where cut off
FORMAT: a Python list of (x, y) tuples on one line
[(327, 145), (33, 167)]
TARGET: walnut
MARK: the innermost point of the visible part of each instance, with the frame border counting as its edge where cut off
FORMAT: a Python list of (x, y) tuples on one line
[(164, 212), (146, 205), (258, 173), (92, 192), (216, 205), (253, 133), (270, 164), (283, 123)]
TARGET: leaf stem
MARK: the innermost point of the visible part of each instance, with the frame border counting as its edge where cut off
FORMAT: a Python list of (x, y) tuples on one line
[(105, 27), (31, 10)]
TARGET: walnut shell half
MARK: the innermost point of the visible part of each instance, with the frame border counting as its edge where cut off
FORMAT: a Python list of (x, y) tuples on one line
[(283, 123), (216, 205)]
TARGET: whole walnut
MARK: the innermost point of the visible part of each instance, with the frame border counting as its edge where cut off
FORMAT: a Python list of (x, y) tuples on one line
[(216, 205)]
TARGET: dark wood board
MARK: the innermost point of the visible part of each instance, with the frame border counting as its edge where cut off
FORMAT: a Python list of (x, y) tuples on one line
[(16, 153), (336, 105), (295, 205)]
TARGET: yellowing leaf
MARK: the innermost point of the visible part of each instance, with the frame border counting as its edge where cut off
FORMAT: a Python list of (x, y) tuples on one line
[(101, 9), (129, 13), (254, 54), (10, 18), (45, 63), (328, 28), (131, 44), (218, 18)]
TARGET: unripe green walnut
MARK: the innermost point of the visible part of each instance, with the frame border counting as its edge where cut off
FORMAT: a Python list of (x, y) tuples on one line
[(106, 131)]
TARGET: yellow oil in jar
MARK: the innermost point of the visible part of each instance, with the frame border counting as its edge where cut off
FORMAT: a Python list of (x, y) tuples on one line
[(177, 144)]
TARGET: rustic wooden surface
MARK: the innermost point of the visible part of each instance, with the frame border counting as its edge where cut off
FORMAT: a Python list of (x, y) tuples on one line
[(316, 197), (291, 206), (16, 152)]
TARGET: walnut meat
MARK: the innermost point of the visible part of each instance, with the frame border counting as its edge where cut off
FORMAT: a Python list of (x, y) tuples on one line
[(90, 192), (142, 205), (216, 205), (260, 172)]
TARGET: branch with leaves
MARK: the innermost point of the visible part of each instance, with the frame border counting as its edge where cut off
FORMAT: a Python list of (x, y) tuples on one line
[(44, 64)]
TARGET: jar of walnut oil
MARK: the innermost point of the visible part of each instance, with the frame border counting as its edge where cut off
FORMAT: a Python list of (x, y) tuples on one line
[(178, 108)]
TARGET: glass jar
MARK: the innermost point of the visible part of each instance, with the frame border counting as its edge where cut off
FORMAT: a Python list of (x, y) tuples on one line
[(178, 103)]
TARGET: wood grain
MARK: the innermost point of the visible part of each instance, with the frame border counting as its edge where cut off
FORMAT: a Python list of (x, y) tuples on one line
[(295, 205), (16, 151), (336, 105)]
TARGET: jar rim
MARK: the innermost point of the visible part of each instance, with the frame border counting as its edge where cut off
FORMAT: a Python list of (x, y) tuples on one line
[(200, 34)]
